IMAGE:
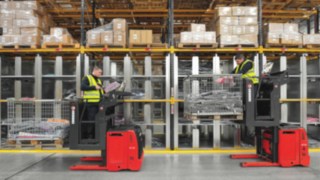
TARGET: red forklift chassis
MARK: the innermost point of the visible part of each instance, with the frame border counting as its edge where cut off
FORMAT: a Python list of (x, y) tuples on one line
[(277, 144), (123, 152), (292, 149)]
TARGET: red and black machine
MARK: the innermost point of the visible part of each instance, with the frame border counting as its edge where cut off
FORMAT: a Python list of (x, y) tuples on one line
[(276, 144), (121, 146)]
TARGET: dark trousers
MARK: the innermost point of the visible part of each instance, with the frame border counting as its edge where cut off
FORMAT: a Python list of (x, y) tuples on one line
[(91, 110)]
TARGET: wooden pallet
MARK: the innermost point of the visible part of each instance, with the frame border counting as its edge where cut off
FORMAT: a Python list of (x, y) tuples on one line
[(18, 46), (214, 117), (270, 45), (312, 46), (197, 45), (60, 45), (37, 144), (106, 46), (238, 45), (152, 45)]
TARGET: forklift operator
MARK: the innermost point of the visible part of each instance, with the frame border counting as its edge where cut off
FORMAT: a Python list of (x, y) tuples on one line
[(92, 92), (246, 68)]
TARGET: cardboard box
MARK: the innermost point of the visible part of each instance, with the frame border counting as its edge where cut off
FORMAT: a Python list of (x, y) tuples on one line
[(275, 28), (32, 5), (198, 27), (227, 20), (10, 31), (6, 5), (9, 40), (17, 5), (157, 38), (186, 37), (224, 11), (244, 11), (253, 29), (248, 20), (25, 14), (58, 31), (237, 30), (107, 37), (27, 22), (295, 39), (51, 39), (209, 37), (119, 38), (135, 36), (93, 38), (251, 39), (228, 39), (224, 30), (119, 25), (4, 22), (31, 31), (67, 39), (197, 37), (272, 38), (291, 28), (146, 36), (313, 39), (7, 14), (30, 40)]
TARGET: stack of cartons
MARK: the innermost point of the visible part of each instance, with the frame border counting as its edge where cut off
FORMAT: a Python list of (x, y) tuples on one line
[(311, 39), (283, 34), (23, 23), (58, 37), (140, 37), (114, 33), (237, 25), (197, 36)]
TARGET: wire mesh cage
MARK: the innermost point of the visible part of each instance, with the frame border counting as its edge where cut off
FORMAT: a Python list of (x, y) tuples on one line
[(37, 119), (213, 95)]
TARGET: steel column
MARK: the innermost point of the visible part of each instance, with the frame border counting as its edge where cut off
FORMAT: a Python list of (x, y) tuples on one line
[(18, 87), (303, 91), (127, 79), (58, 86), (106, 69), (260, 34), (168, 132), (283, 91), (38, 85), (78, 75), (195, 91), (147, 109), (172, 78)]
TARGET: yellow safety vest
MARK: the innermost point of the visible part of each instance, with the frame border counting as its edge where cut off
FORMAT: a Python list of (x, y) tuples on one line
[(92, 96), (250, 74)]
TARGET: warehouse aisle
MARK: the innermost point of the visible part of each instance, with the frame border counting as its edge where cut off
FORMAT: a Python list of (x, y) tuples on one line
[(199, 167)]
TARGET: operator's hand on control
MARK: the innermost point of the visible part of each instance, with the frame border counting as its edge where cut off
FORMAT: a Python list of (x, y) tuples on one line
[(98, 87), (220, 80)]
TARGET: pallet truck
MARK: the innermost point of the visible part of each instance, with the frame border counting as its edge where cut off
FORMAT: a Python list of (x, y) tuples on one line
[(276, 144), (121, 146)]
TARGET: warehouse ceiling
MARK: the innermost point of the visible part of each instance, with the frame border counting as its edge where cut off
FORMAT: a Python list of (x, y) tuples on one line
[(152, 14)]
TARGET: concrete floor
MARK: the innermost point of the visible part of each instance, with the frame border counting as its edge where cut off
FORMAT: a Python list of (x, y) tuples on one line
[(173, 167)]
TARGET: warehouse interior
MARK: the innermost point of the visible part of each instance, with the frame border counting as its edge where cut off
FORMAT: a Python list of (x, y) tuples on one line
[(154, 48)]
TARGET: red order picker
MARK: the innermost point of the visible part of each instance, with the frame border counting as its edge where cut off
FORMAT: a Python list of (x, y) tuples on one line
[(121, 146), (276, 144)]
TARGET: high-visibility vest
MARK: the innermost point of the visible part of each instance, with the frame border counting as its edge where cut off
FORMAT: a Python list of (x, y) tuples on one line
[(92, 96), (250, 74)]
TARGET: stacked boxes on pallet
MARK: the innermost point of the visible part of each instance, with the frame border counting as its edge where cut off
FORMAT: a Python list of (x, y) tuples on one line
[(23, 23), (283, 34), (140, 37), (114, 33), (58, 35), (311, 39), (237, 25), (198, 35)]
